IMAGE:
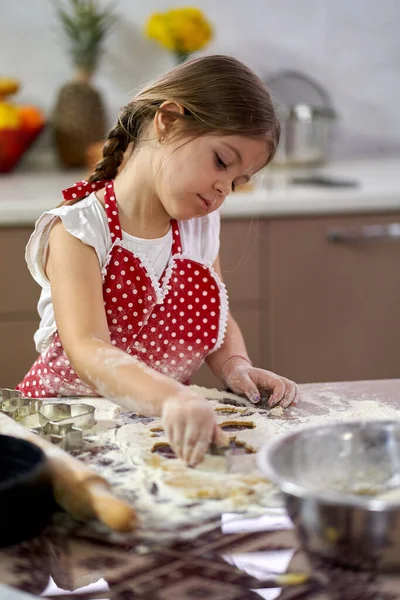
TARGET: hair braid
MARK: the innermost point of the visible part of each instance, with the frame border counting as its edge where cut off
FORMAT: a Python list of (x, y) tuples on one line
[(126, 130), (113, 151)]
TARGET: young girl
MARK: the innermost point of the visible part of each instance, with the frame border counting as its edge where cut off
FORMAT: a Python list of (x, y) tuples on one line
[(132, 296)]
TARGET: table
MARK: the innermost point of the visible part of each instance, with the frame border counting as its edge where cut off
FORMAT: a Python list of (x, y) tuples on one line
[(69, 559)]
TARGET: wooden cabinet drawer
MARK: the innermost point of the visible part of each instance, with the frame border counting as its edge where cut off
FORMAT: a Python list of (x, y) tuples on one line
[(20, 293), (240, 243), (335, 309), (17, 351)]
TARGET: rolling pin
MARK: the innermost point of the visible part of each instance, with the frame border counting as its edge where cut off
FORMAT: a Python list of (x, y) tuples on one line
[(76, 488)]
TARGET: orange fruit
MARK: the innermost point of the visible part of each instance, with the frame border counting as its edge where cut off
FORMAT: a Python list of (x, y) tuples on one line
[(31, 117)]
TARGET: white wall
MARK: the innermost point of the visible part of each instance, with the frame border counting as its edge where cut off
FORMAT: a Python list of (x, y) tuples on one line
[(351, 46)]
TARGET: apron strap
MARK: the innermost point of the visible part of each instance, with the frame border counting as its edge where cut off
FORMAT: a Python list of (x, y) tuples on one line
[(110, 204), (82, 189), (176, 238)]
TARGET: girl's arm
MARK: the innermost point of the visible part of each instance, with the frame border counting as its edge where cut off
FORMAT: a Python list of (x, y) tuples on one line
[(77, 293), (232, 364)]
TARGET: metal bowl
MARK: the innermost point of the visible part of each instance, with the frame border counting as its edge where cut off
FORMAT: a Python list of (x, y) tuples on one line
[(341, 487)]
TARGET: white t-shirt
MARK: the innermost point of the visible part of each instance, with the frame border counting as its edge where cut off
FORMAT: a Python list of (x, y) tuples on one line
[(87, 221)]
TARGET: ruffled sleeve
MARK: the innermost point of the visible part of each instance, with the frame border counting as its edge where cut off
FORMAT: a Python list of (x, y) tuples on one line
[(85, 220)]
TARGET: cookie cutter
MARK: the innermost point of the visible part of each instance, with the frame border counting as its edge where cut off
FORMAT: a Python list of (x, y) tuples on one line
[(78, 415), (8, 394), (14, 403), (60, 423)]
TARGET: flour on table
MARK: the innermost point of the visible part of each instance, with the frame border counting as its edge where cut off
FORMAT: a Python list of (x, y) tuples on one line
[(168, 495)]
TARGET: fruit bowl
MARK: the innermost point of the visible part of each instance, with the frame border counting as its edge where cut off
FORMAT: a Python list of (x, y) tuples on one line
[(14, 142)]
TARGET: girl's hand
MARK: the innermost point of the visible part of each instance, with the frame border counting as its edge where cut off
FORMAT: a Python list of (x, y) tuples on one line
[(191, 426), (242, 378)]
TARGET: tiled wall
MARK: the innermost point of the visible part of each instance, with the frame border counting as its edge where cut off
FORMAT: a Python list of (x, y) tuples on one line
[(352, 47)]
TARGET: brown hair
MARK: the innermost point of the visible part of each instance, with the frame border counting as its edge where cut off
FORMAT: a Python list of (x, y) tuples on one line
[(219, 94)]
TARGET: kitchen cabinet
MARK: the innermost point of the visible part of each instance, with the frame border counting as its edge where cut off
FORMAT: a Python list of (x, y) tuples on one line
[(309, 308), (17, 349), (19, 290), (334, 307), (327, 310), (18, 316)]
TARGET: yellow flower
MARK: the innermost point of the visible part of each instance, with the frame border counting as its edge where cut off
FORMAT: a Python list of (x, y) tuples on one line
[(156, 29), (182, 30)]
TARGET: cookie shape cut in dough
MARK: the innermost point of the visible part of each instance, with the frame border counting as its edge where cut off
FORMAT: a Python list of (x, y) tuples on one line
[(237, 425), (164, 449), (157, 432)]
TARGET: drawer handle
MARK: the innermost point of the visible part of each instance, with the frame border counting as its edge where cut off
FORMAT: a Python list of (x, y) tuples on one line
[(365, 233)]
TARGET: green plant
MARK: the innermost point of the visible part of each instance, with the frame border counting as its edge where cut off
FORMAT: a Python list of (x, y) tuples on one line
[(85, 25)]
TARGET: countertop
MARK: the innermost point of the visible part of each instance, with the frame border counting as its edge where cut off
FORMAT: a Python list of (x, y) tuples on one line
[(237, 560), (24, 195)]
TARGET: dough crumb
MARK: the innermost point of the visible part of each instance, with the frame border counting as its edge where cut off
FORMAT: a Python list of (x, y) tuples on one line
[(277, 411)]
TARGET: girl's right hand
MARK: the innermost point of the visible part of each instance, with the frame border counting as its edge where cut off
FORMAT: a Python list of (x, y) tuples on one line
[(191, 426)]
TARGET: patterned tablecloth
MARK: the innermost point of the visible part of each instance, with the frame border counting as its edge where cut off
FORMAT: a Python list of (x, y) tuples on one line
[(237, 560)]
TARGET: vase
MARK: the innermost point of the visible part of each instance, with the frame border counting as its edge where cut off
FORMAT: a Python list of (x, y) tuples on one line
[(78, 120)]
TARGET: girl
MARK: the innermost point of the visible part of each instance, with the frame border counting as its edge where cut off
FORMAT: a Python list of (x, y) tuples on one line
[(132, 296)]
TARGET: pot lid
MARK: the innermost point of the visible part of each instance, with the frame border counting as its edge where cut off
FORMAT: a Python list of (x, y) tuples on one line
[(299, 97)]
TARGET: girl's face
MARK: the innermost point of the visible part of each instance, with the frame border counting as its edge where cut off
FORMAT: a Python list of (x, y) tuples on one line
[(195, 176)]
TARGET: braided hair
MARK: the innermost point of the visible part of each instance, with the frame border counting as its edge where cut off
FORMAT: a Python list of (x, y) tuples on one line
[(113, 151)]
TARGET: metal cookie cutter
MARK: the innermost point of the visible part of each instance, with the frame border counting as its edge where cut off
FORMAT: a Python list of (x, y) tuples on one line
[(14, 403), (7, 394), (78, 415), (59, 422)]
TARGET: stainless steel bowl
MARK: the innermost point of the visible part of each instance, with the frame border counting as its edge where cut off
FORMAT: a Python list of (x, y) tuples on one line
[(341, 487)]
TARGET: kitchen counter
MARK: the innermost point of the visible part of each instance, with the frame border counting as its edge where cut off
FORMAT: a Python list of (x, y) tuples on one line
[(25, 195), (236, 560)]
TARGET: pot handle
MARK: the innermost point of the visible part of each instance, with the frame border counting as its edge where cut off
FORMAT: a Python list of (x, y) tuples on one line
[(290, 74)]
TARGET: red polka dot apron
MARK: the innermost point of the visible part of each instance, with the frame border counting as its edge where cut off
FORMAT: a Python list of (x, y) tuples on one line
[(170, 324)]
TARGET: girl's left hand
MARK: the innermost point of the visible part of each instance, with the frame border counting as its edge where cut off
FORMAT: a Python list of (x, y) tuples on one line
[(242, 378)]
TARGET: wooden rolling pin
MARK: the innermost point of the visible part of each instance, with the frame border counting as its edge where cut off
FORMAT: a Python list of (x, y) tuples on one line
[(76, 488)]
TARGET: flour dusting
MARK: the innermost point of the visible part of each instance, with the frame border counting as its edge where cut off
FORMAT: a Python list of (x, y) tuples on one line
[(171, 497)]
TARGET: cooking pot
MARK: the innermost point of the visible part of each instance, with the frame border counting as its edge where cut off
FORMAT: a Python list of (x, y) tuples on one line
[(306, 128)]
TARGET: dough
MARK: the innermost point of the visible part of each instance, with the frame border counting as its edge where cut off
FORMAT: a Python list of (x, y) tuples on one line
[(167, 493), (173, 500), (277, 411)]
